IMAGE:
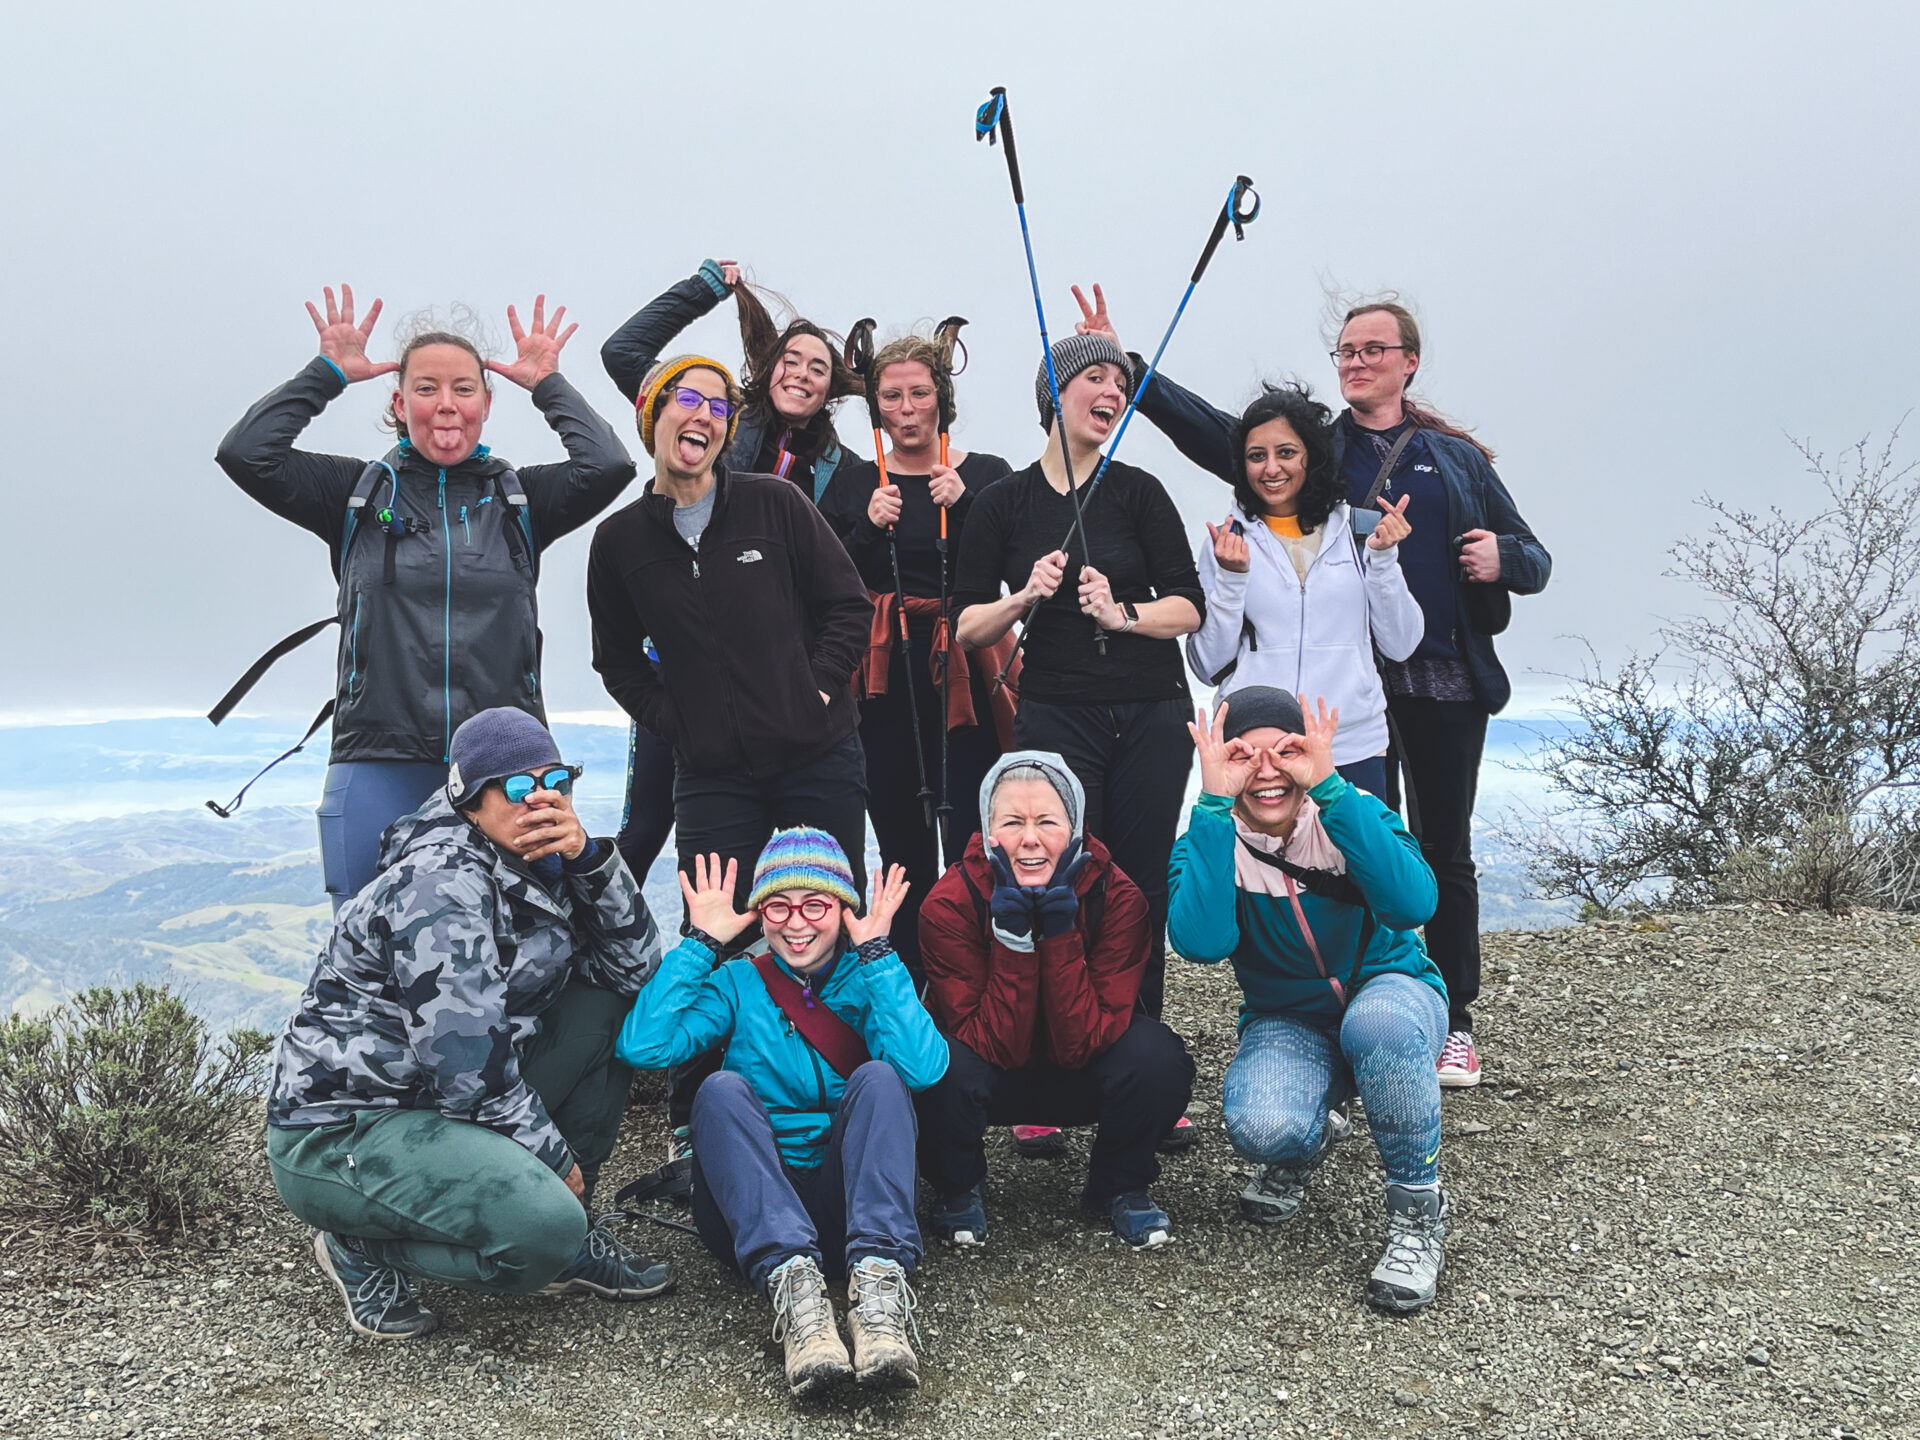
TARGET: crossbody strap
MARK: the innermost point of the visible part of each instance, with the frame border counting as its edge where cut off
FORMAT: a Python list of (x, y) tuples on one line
[(1386, 468), (837, 1042)]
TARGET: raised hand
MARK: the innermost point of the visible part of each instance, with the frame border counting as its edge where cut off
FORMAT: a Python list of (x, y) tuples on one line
[(1225, 765), (710, 897), (1480, 556), (539, 348), (946, 486), (1229, 549), (1096, 599), (881, 907), (1392, 527), (883, 506), (1048, 572), (1309, 759), (729, 273), (345, 343), (1093, 318)]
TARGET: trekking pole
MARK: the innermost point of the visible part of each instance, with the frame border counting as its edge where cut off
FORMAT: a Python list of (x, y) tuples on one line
[(991, 119), (859, 358), (949, 331)]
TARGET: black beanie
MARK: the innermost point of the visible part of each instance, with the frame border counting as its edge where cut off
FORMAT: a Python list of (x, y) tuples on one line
[(1256, 707)]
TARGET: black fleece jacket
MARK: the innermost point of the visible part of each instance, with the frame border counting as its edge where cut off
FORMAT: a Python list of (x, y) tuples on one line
[(750, 628)]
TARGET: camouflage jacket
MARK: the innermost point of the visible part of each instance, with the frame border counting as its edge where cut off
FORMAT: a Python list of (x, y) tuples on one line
[(437, 973)]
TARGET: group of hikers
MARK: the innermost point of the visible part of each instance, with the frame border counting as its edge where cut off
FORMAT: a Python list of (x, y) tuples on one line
[(985, 662)]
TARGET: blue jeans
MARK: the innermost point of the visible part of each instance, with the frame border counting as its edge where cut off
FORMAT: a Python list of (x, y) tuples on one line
[(1288, 1073), (758, 1213), (360, 799)]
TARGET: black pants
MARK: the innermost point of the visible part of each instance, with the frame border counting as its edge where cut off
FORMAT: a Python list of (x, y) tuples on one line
[(1134, 1092), (649, 812), (1438, 744), (893, 781), (1133, 761), (733, 817)]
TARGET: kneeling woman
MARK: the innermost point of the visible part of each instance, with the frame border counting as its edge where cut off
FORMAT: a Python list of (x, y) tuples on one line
[(803, 1141), (1339, 994), (1034, 945)]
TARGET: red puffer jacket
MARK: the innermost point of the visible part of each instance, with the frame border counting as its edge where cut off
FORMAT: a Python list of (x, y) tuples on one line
[(1066, 1001)]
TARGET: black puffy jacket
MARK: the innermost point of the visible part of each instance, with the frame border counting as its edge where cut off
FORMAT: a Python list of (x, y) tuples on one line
[(441, 622)]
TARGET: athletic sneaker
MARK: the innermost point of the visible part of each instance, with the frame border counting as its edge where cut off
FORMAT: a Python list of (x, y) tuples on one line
[(1180, 1138), (1416, 1253), (1275, 1193), (959, 1219), (803, 1323), (879, 1315), (380, 1299), (1039, 1142), (607, 1268), (1459, 1062), (1136, 1219)]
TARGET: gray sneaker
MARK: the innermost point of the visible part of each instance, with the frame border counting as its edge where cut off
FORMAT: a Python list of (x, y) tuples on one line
[(1416, 1253), (380, 1300), (1274, 1196)]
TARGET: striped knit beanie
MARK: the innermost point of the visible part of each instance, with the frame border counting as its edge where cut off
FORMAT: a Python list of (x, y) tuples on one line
[(803, 859), (1070, 357), (653, 393)]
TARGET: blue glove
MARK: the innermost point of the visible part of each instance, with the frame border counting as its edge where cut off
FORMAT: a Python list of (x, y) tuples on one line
[(1011, 904), (1056, 907)]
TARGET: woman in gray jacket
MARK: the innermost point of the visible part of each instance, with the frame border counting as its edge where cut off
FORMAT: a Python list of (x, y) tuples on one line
[(436, 547), (1295, 599)]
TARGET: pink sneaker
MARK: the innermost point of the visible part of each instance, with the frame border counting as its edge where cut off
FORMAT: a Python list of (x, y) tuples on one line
[(1039, 1142), (1459, 1067)]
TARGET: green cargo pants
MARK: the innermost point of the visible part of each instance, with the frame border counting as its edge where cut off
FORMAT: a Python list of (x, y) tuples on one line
[(452, 1201)]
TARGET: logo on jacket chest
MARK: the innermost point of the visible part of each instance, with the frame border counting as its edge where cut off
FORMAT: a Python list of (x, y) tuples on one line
[(748, 557)]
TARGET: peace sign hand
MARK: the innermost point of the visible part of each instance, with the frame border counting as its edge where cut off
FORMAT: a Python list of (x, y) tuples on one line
[(884, 905), (345, 343), (1093, 318), (539, 347), (710, 898), (1225, 765), (1309, 759), (1392, 527)]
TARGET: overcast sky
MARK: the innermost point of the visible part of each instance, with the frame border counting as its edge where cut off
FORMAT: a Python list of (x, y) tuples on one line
[(1646, 243)]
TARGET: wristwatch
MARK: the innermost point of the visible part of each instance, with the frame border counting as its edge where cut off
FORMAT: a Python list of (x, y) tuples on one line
[(1132, 612)]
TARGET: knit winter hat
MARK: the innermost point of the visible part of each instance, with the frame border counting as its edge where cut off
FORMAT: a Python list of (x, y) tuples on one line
[(493, 745), (1058, 773), (662, 377), (803, 858), (1070, 357), (1258, 707)]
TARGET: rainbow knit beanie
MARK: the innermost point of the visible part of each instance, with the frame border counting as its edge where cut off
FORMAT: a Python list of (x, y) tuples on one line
[(803, 859)]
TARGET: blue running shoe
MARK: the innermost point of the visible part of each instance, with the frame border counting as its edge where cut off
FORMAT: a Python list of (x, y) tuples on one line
[(959, 1219), (607, 1268), (380, 1300), (1136, 1219)]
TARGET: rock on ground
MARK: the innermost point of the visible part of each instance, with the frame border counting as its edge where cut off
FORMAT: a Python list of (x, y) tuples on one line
[(1684, 1203)]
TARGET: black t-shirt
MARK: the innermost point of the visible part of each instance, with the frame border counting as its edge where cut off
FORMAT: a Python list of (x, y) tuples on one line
[(918, 532), (1135, 538)]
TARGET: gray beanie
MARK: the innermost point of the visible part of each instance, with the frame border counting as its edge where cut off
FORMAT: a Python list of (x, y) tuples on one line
[(1058, 774), (1259, 707), (493, 745), (1070, 357)]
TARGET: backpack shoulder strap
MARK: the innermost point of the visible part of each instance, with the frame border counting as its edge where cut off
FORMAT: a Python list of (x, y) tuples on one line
[(515, 496), (357, 502), (837, 1042)]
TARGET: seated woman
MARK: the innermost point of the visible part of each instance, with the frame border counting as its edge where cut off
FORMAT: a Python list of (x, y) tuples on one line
[(803, 1140), (446, 1092), (1034, 945), (1339, 994)]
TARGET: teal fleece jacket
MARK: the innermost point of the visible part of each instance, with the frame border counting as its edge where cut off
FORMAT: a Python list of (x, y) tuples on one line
[(1209, 919), (689, 1007)]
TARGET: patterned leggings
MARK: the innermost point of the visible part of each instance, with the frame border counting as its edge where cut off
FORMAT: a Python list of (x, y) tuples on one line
[(1288, 1073)]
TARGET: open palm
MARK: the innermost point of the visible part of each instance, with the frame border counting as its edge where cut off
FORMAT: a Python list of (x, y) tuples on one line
[(538, 347), (345, 343)]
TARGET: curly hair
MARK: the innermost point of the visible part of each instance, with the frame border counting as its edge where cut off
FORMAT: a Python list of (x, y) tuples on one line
[(763, 343), (1313, 423), (463, 329)]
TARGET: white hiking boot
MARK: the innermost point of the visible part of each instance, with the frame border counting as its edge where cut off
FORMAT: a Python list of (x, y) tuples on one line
[(1416, 1253), (879, 1315), (803, 1322)]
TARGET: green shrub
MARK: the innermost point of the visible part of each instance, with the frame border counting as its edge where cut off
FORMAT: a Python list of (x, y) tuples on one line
[(121, 1107)]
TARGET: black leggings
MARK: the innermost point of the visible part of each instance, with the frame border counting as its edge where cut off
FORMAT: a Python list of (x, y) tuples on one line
[(648, 816), (1132, 760)]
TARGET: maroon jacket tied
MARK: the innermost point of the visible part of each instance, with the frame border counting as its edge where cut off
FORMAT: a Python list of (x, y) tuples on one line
[(1065, 1002)]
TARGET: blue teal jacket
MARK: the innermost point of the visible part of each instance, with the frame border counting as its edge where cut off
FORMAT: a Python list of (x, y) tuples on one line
[(1209, 919), (689, 1007)]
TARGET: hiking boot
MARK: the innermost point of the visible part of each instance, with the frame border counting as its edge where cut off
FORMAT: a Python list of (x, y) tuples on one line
[(1179, 1139), (1275, 1193), (380, 1299), (1416, 1253), (959, 1219), (1039, 1142), (607, 1268), (803, 1322), (1339, 1126), (879, 1315), (1136, 1219), (1459, 1067)]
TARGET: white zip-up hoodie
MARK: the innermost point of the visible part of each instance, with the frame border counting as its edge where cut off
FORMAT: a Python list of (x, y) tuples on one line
[(1313, 637)]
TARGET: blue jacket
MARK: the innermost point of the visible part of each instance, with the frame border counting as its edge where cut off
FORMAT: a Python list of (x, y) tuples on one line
[(1209, 919), (1476, 500), (632, 349), (689, 1007)]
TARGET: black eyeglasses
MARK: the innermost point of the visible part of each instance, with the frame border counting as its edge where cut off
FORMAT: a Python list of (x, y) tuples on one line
[(1366, 354), (559, 780)]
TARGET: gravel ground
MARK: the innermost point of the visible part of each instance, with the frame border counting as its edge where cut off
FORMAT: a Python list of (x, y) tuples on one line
[(1684, 1203)]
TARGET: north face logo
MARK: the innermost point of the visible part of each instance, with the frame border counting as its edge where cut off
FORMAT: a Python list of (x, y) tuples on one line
[(747, 557)]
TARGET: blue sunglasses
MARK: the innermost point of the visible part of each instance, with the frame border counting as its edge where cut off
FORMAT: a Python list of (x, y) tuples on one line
[(559, 780)]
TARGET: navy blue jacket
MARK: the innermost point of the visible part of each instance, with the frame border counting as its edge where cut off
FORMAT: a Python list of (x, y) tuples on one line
[(1476, 500)]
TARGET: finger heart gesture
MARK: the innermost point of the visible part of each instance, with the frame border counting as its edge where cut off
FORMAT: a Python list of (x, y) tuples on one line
[(539, 347), (1392, 526)]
